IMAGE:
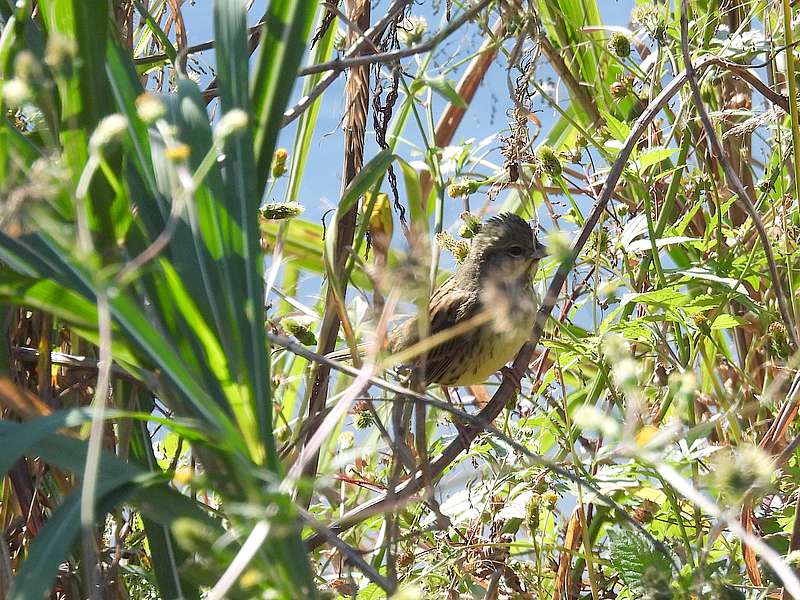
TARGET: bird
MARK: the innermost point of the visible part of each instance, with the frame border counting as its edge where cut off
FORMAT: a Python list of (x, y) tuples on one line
[(492, 285)]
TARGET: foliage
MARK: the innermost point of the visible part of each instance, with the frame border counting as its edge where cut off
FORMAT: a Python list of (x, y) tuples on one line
[(170, 428)]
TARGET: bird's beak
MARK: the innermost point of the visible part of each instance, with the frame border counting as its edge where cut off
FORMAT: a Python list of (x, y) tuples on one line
[(539, 250)]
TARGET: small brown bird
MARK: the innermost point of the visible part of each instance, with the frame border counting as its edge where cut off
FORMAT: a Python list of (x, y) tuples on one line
[(493, 286)]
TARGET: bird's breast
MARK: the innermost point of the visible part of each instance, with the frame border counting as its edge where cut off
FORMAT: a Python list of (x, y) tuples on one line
[(494, 344)]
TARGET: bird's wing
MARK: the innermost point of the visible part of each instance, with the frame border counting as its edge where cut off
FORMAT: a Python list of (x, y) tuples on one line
[(448, 306)]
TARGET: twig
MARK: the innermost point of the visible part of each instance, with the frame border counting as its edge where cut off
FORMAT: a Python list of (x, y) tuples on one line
[(733, 178), (31, 356), (202, 47), (340, 64), (370, 37), (348, 551), (686, 489)]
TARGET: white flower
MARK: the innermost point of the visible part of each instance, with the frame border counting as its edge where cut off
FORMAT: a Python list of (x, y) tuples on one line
[(16, 92), (107, 131), (231, 122), (150, 108)]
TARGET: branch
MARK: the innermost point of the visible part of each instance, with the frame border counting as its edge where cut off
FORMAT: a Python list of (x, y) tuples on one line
[(202, 47), (733, 179), (31, 356), (369, 38)]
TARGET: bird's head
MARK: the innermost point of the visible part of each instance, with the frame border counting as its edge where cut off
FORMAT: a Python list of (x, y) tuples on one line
[(506, 248)]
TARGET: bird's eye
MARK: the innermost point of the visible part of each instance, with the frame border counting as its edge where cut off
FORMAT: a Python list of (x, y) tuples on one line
[(516, 251)]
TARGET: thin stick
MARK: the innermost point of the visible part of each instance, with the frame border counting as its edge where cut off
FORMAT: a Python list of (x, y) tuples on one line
[(340, 64), (733, 178)]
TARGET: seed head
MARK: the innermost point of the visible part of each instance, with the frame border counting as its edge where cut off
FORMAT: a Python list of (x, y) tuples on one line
[(459, 249), (412, 30), (548, 160), (746, 469), (618, 90), (108, 130), (779, 339), (301, 332), (471, 226), (275, 211), (364, 419), (620, 45)]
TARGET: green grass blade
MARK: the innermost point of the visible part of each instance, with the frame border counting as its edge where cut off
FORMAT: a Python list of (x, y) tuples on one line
[(288, 23)]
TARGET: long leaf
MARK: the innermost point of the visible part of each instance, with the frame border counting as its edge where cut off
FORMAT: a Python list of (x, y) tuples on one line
[(286, 29), (253, 406)]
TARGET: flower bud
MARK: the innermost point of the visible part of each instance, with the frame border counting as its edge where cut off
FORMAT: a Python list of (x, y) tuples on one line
[(150, 108), (60, 53), (177, 152), (231, 122), (16, 92), (463, 187), (279, 162), (27, 67)]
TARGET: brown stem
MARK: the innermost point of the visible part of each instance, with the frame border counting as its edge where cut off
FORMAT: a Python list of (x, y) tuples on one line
[(357, 99)]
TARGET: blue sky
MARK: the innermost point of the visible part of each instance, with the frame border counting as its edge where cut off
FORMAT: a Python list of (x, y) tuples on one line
[(486, 115)]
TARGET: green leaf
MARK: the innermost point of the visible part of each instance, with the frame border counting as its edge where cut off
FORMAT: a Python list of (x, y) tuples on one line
[(283, 43), (443, 87), (653, 156), (117, 481), (637, 562), (619, 130), (157, 32), (252, 402), (85, 98), (726, 321)]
